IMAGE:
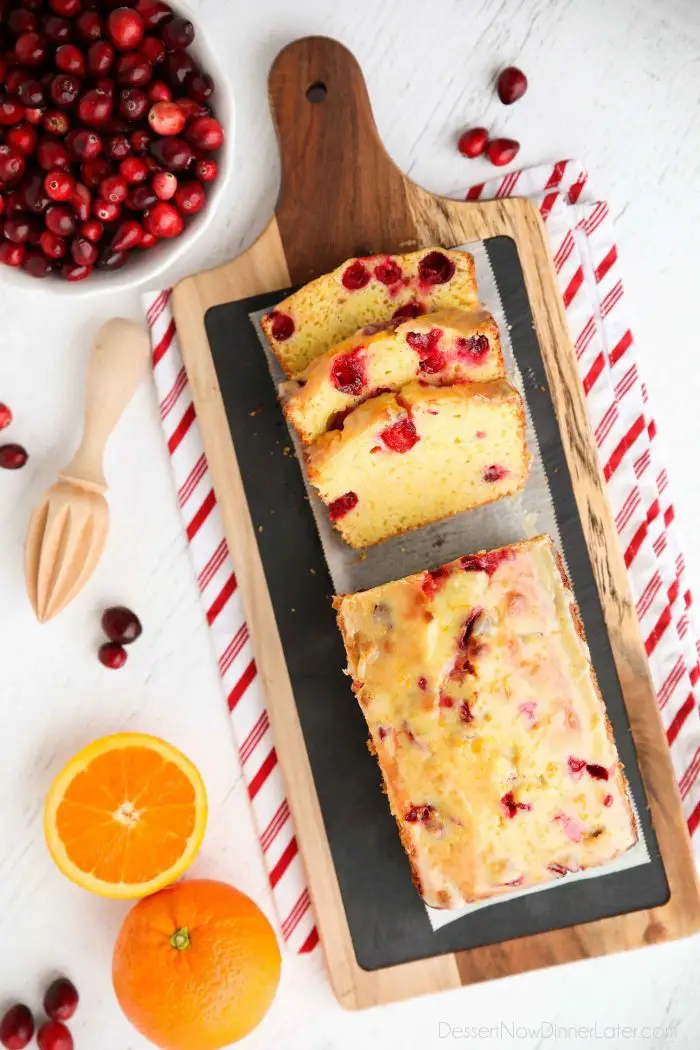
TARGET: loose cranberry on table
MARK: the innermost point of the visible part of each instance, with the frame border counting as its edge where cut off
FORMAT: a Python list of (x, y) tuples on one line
[(13, 457), (53, 1035), (472, 143), (511, 85), (5, 416), (502, 151), (121, 625), (112, 655), (17, 1027), (61, 999)]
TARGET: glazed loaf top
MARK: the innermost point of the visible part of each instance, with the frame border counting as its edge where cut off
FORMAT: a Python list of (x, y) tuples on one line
[(485, 715)]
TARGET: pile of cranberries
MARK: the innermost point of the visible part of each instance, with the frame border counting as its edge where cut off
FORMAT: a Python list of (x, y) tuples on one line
[(510, 85), (122, 627), (60, 1003), (107, 138)]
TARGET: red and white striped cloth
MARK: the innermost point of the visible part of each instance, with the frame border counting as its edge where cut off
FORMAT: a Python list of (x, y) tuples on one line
[(582, 241)]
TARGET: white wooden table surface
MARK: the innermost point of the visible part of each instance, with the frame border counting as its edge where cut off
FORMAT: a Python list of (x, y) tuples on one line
[(613, 82)]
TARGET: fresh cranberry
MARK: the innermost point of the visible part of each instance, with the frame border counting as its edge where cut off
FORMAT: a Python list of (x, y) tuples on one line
[(121, 625), (511, 85), (66, 8), (179, 65), (61, 220), (105, 211), (502, 151), (53, 1035), (125, 27), (177, 34), (281, 326), (164, 185), (52, 246), (22, 21), (133, 170), (206, 169), (133, 103), (117, 147), (11, 112), (11, 164), (36, 264), (163, 220), (474, 347), (166, 118), (52, 155), (57, 29), (388, 272), (82, 202), (61, 999), (112, 655), (128, 235), (134, 69), (190, 198), (199, 86), (86, 145), (31, 93), (17, 1025), (495, 472), (153, 49), (95, 107), (15, 79), (56, 122), (114, 188), (88, 26), (16, 229), (92, 229), (111, 260), (13, 457), (35, 116), (473, 142), (12, 254), (30, 49), (342, 505), (5, 416), (400, 436), (141, 197), (431, 358), (511, 807), (83, 251), (22, 137), (192, 109), (71, 271), (348, 373), (206, 134), (172, 153), (421, 814), (154, 12), (69, 59), (435, 268), (59, 185), (33, 193), (100, 57), (597, 772), (159, 91), (409, 310), (148, 240), (94, 171), (64, 89)]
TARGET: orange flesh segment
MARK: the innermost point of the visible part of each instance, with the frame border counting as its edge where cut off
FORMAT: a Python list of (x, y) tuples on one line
[(128, 816)]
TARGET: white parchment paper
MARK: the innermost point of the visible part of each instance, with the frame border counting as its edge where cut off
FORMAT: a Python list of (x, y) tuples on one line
[(528, 514)]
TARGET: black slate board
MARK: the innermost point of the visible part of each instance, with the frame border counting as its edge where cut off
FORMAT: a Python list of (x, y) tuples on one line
[(388, 922)]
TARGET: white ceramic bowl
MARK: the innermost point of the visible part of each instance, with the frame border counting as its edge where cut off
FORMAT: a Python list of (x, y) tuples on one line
[(143, 267)]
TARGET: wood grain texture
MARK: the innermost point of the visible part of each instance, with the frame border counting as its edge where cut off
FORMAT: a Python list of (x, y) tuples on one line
[(340, 193)]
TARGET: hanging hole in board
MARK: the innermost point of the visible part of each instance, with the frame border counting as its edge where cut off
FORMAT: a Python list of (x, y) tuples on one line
[(317, 92)]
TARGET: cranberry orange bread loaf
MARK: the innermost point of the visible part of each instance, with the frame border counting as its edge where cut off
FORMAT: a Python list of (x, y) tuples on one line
[(366, 291), (404, 460), (486, 719), (448, 346)]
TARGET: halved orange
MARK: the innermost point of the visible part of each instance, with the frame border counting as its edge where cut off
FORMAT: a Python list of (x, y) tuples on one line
[(126, 816)]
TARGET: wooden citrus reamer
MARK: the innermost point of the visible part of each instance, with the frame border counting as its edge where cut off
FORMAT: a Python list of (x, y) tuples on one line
[(68, 530), (341, 195)]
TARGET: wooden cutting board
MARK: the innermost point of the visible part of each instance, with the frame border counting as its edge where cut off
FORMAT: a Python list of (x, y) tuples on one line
[(341, 196)]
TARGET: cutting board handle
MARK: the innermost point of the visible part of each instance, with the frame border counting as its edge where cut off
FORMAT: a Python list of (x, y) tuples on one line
[(335, 170)]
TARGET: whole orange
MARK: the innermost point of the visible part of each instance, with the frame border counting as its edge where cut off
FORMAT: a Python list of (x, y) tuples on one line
[(195, 966)]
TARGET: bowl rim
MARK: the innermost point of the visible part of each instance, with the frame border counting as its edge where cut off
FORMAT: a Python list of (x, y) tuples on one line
[(152, 268)]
